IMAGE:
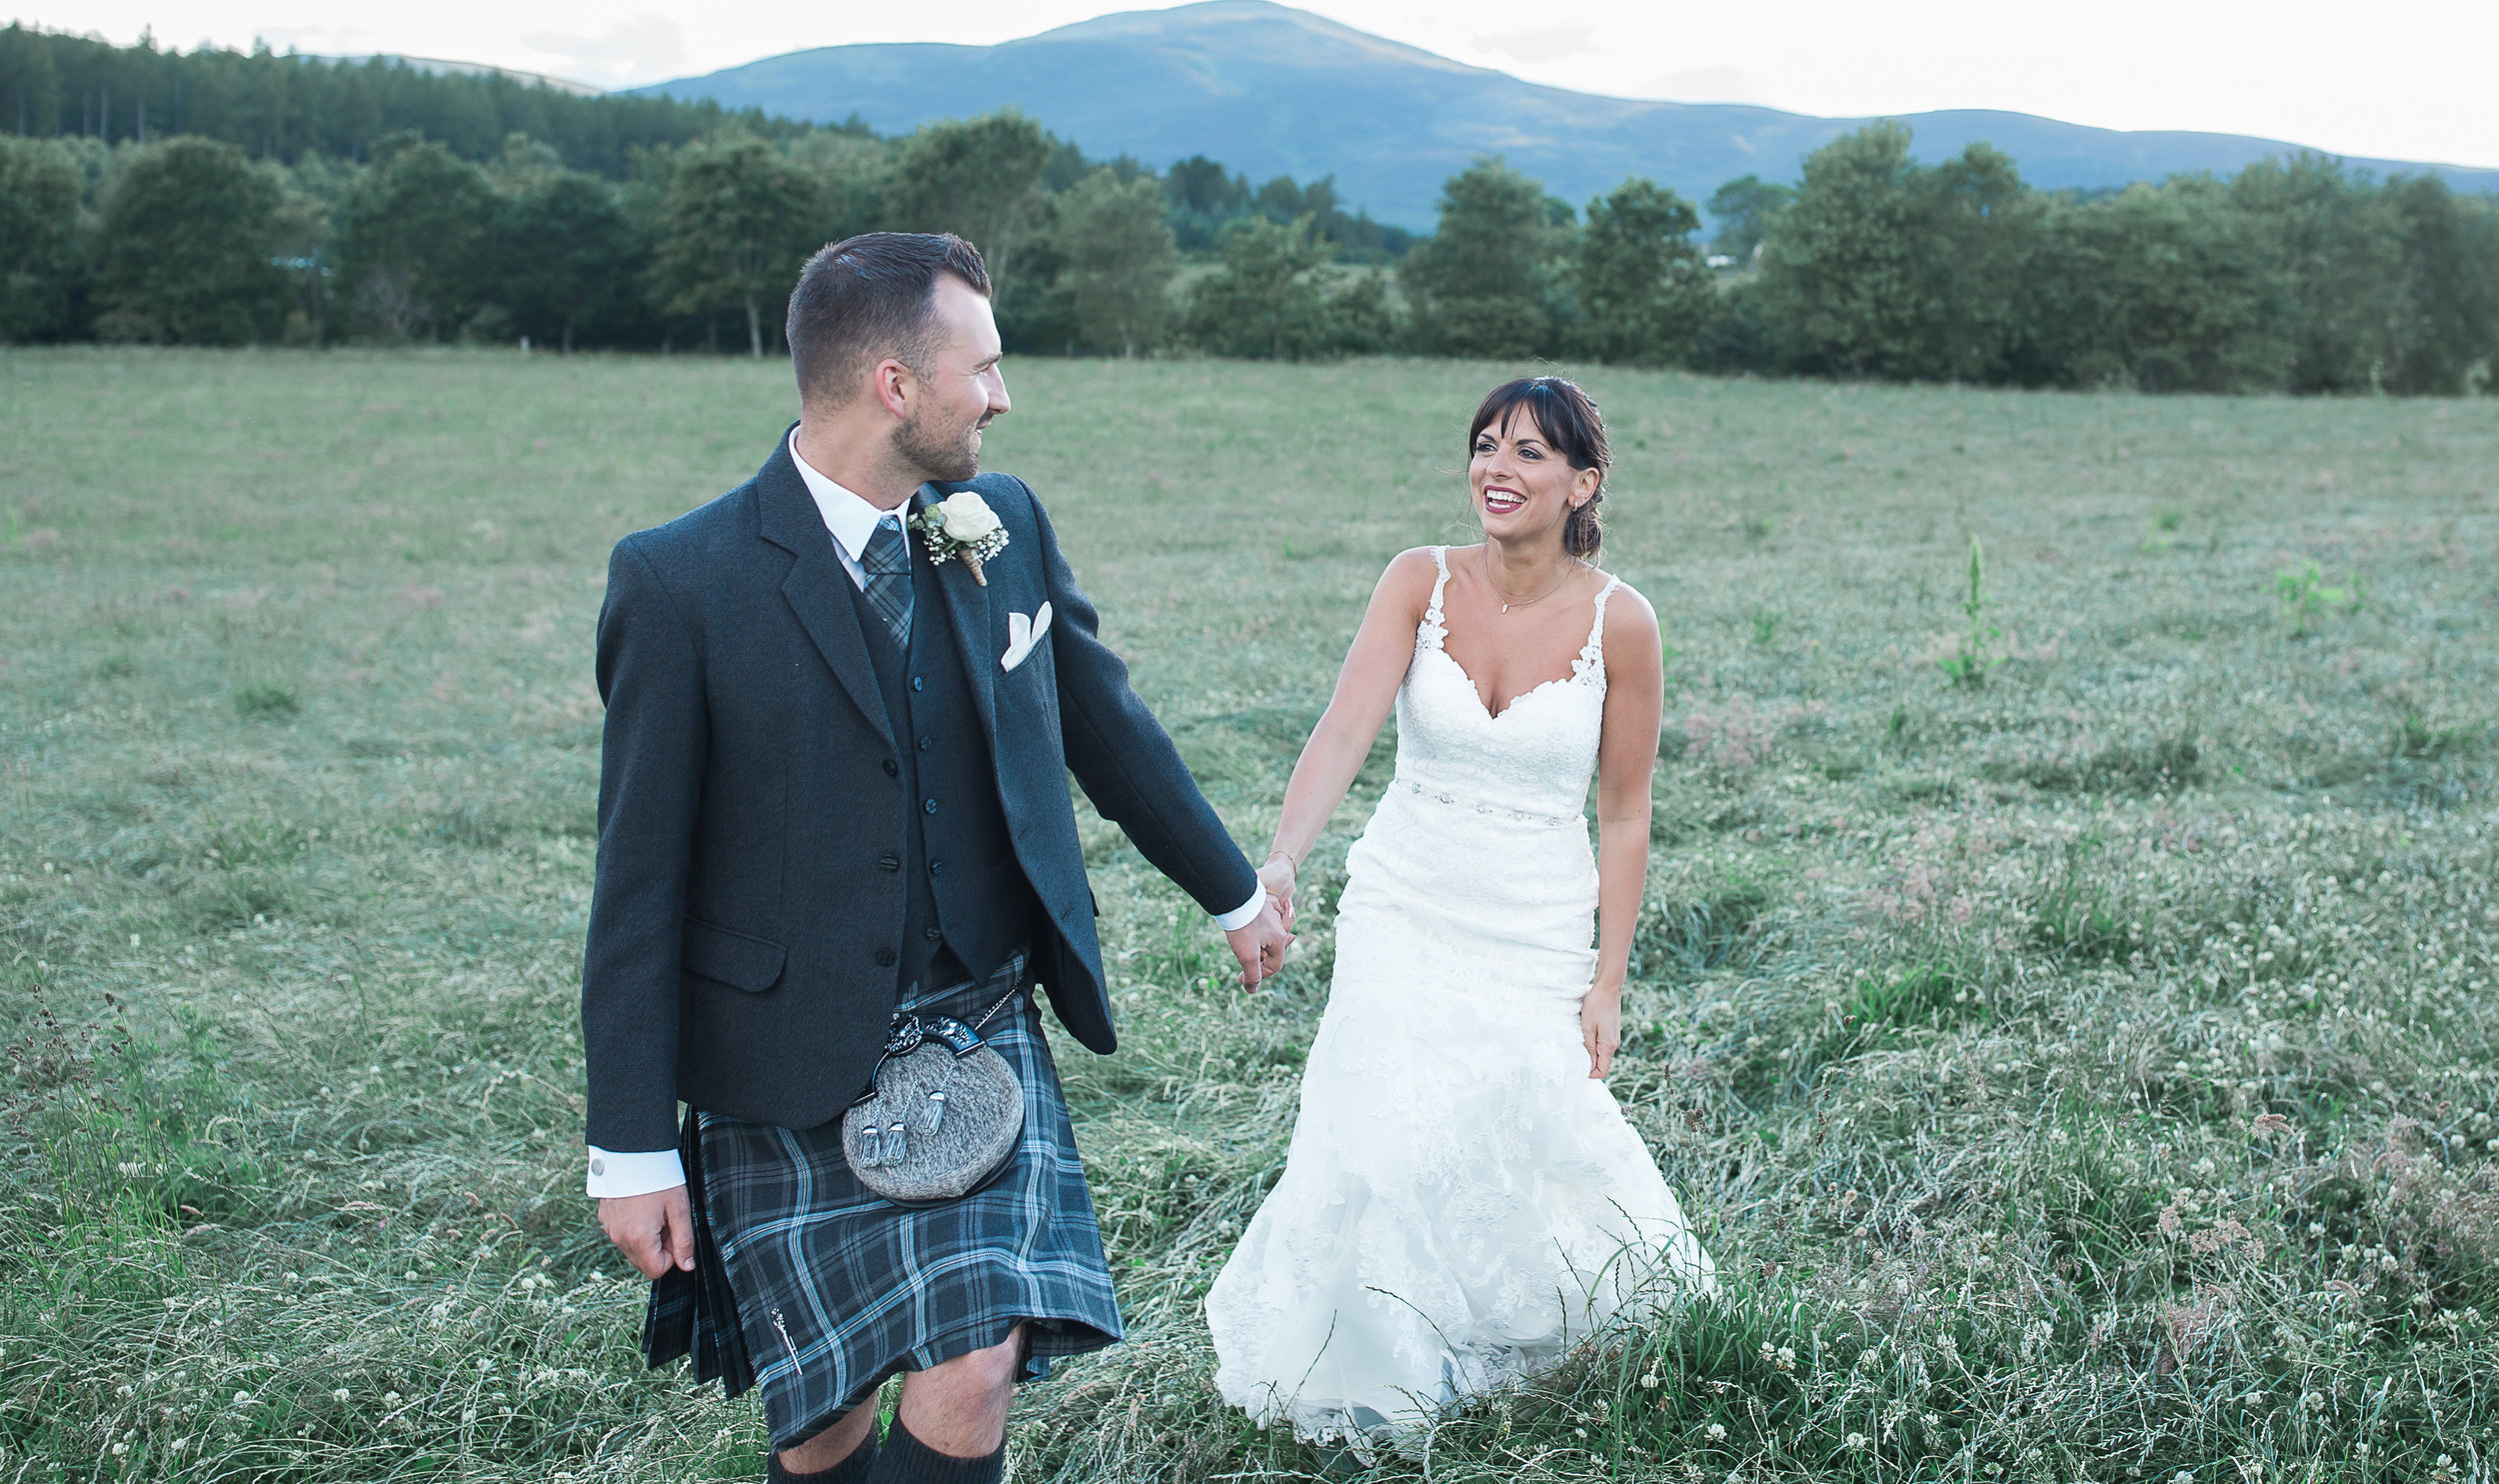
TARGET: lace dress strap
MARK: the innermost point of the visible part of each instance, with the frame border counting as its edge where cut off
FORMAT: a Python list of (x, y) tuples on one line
[(1434, 628), (1593, 654)]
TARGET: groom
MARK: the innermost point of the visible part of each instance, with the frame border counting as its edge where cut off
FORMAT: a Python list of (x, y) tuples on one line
[(834, 785)]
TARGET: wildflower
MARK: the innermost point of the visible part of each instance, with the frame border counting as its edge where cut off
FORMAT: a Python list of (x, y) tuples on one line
[(1857, 1440), (390, 1398), (243, 1398), (339, 1395), (1716, 1432), (1649, 1382)]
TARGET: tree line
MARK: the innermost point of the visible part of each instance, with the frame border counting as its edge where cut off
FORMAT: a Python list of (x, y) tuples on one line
[(669, 225)]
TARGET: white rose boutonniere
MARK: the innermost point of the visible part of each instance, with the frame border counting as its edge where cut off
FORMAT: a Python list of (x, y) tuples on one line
[(963, 526)]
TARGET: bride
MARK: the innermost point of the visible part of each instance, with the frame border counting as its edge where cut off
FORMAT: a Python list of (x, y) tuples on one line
[(1464, 1199)]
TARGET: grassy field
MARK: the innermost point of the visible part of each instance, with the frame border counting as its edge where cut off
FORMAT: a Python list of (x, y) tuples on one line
[(2084, 1073)]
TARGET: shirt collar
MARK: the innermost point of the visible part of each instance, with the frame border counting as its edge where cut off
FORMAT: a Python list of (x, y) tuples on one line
[(848, 514)]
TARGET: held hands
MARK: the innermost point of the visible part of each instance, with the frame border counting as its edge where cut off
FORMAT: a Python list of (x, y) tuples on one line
[(653, 1231), (1259, 944), (1276, 878), (1600, 1028)]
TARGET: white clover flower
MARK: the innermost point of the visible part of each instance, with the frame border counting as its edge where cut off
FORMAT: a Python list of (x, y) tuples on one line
[(1857, 1440), (1716, 1432), (339, 1395)]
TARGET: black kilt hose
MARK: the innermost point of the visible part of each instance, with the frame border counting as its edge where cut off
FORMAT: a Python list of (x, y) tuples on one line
[(815, 1290)]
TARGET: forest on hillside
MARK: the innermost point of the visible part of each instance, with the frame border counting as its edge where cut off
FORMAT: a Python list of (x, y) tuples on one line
[(218, 196)]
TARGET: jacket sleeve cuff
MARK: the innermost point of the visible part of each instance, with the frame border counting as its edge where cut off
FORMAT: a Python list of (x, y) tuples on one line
[(615, 1176), (1243, 914)]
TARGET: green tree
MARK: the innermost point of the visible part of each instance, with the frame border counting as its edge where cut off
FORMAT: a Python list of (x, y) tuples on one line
[(1114, 242), (2450, 330), (1276, 297), (1478, 285), (1884, 267), (413, 231), (189, 228), (1744, 209), (980, 178), (737, 222), (564, 258), (2168, 288), (2341, 243), (1643, 291), (38, 225)]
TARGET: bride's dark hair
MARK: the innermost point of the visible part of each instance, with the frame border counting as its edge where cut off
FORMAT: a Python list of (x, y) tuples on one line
[(1568, 419)]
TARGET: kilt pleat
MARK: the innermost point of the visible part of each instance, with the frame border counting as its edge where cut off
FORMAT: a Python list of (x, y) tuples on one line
[(833, 1289)]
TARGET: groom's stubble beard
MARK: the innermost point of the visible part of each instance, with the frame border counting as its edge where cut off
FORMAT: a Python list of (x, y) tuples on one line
[(939, 455)]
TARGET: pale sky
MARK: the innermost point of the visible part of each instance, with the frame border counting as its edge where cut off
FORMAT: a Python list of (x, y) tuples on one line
[(2404, 79)]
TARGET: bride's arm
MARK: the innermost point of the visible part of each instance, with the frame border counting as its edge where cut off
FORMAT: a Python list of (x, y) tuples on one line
[(1365, 691), (1635, 686)]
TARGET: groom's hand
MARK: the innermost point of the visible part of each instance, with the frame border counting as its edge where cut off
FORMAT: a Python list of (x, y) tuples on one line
[(1259, 944), (653, 1231)]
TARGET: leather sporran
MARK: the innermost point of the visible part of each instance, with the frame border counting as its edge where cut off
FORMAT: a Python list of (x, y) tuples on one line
[(943, 1112)]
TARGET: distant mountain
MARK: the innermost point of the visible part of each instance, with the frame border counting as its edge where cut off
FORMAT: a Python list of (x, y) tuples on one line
[(1271, 90)]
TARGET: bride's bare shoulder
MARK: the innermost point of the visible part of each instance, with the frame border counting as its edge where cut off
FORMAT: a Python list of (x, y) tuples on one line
[(1409, 574), (1630, 623)]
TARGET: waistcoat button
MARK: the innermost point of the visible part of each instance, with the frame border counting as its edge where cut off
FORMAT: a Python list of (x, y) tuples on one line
[(918, 683), (885, 958), (927, 806), (893, 769), (935, 866), (933, 935), (889, 863)]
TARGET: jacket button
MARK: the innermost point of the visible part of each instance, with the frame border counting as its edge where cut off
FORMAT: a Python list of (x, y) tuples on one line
[(918, 683), (935, 866), (889, 863), (893, 769), (923, 745), (885, 958), (927, 806), (933, 935)]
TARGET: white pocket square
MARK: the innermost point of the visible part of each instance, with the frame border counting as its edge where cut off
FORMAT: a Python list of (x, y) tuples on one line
[(1022, 634)]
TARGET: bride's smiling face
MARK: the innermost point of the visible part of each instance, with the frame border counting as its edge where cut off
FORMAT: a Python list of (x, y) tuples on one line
[(1522, 485)]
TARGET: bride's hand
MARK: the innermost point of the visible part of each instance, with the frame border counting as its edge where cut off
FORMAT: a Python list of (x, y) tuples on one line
[(1275, 879), (1600, 1028)]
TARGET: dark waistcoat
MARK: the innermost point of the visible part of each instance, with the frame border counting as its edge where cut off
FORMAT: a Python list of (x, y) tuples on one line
[(966, 903)]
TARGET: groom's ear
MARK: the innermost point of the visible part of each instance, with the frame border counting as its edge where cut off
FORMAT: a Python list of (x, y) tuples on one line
[(893, 383)]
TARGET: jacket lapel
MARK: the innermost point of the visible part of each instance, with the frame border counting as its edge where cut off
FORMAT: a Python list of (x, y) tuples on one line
[(818, 589), (968, 612)]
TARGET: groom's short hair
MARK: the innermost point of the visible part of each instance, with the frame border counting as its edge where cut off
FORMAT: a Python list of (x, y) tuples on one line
[(868, 297)]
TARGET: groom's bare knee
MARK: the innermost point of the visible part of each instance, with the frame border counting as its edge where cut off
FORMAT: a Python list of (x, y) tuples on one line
[(958, 1406)]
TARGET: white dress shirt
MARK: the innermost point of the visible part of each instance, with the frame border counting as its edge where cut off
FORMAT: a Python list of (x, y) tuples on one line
[(852, 520)]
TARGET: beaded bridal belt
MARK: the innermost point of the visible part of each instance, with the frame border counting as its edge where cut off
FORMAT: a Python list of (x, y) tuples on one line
[(1492, 811)]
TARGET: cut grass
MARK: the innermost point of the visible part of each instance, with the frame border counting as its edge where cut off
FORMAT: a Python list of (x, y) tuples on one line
[(2086, 1076)]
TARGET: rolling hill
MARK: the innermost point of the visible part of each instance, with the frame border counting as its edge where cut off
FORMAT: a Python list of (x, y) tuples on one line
[(1270, 91)]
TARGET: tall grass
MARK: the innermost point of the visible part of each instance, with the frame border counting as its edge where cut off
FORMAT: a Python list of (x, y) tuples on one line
[(2084, 1075)]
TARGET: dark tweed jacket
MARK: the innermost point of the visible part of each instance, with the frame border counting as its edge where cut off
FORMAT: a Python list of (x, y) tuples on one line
[(742, 929)]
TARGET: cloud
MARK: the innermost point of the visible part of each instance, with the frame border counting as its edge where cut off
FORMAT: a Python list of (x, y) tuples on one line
[(318, 41), (1706, 85), (1540, 44), (646, 48)]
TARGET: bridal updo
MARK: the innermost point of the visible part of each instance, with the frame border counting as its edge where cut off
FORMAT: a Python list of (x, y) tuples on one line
[(1573, 428)]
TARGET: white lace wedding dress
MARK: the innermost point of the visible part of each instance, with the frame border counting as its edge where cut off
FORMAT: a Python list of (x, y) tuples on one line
[(1461, 1202)]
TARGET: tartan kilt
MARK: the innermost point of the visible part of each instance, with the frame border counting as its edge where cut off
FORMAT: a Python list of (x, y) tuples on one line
[(817, 1289)]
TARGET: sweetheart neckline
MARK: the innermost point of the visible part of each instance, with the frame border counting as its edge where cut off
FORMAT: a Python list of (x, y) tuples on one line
[(1488, 712)]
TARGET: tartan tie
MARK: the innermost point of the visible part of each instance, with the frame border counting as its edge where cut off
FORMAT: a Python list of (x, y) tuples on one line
[(887, 560)]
